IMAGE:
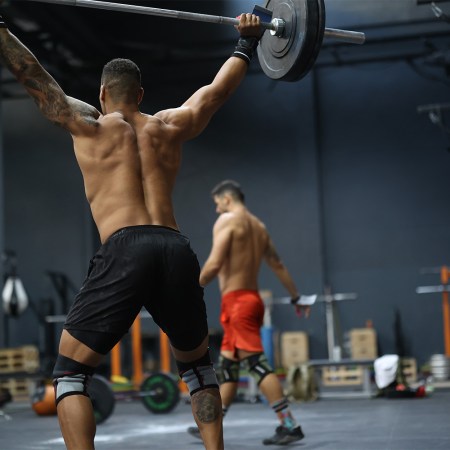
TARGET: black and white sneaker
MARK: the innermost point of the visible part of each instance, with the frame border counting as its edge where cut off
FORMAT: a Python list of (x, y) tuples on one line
[(194, 431), (284, 436)]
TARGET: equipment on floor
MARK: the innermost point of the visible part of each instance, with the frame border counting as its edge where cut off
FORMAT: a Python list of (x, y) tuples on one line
[(158, 392), (102, 398), (287, 52), (391, 380), (5, 397), (43, 400)]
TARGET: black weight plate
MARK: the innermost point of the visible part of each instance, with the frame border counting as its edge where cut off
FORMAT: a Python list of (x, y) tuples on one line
[(160, 393), (291, 56), (102, 398)]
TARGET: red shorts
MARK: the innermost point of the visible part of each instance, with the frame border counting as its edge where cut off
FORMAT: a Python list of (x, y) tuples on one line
[(241, 316)]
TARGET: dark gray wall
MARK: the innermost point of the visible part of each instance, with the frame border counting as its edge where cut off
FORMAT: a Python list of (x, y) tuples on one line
[(383, 169), (387, 185), (47, 222)]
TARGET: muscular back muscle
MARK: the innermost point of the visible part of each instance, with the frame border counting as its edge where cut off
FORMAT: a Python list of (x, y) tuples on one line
[(248, 245), (129, 168), (112, 160)]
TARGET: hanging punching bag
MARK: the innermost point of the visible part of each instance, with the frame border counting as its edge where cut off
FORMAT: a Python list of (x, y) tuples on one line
[(15, 299)]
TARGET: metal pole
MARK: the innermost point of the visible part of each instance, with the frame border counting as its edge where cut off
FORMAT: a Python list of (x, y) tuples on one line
[(331, 343), (445, 272), (352, 37), (5, 338), (321, 212), (444, 288)]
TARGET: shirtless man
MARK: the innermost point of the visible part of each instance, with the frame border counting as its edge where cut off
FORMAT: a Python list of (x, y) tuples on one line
[(129, 161), (240, 243)]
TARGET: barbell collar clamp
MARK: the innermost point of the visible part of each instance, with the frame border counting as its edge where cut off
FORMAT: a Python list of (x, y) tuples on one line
[(278, 27)]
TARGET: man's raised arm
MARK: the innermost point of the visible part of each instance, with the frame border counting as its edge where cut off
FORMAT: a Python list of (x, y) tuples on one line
[(194, 115), (54, 104)]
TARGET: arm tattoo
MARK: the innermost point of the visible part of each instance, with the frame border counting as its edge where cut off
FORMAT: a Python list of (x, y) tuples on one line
[(46, 92), (48, 96), (272, 254)]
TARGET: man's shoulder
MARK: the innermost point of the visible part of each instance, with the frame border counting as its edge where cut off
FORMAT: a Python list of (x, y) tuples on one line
[(226, 217), (257, 220), (226, 220), (170, 116), (239, 219)]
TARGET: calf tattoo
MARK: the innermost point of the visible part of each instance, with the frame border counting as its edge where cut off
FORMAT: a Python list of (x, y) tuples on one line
[(206, 405)]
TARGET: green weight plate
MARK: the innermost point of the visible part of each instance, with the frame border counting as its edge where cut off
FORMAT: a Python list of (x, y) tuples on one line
[(159, 393)]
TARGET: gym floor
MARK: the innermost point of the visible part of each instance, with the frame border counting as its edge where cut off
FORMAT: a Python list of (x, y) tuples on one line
[(335, 424)]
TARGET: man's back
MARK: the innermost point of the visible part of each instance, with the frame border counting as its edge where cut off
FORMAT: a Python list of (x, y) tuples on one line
[(129, 165), (248, 245)]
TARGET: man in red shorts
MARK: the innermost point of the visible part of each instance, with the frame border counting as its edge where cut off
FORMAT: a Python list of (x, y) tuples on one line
[(240, 243)]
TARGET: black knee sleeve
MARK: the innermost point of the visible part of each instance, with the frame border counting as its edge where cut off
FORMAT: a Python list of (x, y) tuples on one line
[(70, 378), (227, 370), (258, 366), (199, 374)]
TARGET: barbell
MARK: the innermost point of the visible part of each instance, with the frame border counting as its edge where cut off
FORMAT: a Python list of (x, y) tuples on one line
[(158, 392), (432, 289), (290, 49)]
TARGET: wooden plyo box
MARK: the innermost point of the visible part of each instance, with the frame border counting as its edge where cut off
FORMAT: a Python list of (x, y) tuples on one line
[(294, 348), (363, 343)]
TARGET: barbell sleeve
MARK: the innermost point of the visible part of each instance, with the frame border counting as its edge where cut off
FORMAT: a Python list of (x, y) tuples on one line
[(352, 37), (432, 289)]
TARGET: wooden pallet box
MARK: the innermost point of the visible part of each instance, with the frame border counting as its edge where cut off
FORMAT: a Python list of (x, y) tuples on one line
[(20, 359), (342, 376), (19, 389)]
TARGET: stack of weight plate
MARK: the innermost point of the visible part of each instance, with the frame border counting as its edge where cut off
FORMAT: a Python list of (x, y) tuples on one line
[(440, 367)]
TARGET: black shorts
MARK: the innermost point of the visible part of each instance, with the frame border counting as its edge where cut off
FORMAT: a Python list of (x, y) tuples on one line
[(141, 266)]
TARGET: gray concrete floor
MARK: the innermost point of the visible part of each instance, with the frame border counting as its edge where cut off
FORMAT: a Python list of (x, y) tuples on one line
[(334, 424)]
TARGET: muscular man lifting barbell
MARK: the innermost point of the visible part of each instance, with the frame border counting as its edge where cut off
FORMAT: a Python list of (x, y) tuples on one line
[(129, 162)]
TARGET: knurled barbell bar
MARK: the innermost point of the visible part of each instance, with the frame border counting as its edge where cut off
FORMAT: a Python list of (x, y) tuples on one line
[(288, 52)]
